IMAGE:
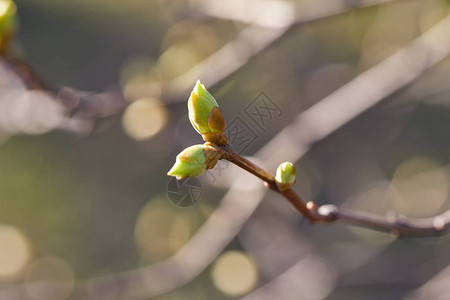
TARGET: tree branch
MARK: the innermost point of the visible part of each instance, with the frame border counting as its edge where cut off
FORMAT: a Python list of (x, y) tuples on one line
[(398, 226), (308, 210)]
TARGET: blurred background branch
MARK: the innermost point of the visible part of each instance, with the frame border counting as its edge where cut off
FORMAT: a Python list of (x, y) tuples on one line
[(269, 23), (88, 208)]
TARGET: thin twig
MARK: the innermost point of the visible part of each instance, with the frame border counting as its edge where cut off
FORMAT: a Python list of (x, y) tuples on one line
[(247, 165), (88, 105), (397, 226), (307, 210)]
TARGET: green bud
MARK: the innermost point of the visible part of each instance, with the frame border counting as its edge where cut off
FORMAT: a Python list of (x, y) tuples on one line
[(205, 114), (285, 176), (190, 162), (8, 21), (195, 160)]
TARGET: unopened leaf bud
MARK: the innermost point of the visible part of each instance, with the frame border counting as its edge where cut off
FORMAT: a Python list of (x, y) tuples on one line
[(285, 176), (195, 160), (205, 115)]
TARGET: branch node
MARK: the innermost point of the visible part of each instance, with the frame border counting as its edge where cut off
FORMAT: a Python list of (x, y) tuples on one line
[(439, 223), (328, 211), (311, 206)]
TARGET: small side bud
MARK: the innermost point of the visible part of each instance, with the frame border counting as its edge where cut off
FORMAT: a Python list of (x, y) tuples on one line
[(195, 160), (205, 115), (285, 176)]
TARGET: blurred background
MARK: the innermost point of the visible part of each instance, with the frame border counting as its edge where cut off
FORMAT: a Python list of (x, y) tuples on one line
[(93, 111)]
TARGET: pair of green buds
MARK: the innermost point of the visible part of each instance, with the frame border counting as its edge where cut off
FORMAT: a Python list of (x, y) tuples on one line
[(207, 119)]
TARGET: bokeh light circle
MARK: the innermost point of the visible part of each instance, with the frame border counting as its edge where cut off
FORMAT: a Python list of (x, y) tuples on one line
[(144, 118), (235, 273), (15, 251), (161, 230), (422, 187)]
